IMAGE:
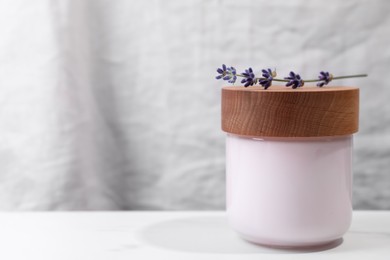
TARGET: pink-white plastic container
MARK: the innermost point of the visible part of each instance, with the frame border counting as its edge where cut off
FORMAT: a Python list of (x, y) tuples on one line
[(287, 192), (289, 163)]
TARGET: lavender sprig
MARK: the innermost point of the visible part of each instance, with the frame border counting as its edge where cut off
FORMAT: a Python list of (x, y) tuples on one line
[(294, 80)]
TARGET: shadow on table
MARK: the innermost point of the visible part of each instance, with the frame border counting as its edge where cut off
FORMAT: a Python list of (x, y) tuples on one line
[(210, 235)]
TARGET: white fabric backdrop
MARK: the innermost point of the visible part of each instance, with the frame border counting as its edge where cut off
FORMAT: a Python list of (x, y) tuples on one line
[(113, 104)]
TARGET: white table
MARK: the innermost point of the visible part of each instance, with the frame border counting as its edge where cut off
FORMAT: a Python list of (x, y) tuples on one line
[(167, 235)]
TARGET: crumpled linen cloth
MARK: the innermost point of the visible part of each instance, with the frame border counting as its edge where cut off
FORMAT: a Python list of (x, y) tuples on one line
[(113, 105)]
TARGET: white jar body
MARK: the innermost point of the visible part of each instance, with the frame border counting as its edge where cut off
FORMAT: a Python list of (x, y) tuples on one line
[(289, 192)]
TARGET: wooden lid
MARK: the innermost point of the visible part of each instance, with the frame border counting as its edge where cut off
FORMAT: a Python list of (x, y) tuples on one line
[(286, 112)]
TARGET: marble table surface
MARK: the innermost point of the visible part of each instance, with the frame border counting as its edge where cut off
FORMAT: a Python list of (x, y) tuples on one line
[(168, 235)]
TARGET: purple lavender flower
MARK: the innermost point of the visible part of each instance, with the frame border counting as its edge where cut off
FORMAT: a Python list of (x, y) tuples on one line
[(325, 78), (221, 71), (268, 76), (249, 78), (229, 74), (294, 80)]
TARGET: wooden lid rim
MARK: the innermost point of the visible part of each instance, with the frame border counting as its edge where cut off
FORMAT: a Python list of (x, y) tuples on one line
[(283, 112)]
